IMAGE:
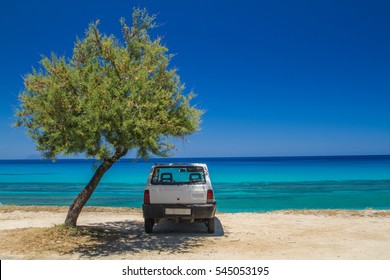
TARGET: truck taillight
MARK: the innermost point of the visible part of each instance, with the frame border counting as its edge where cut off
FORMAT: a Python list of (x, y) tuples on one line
[(146, 197), (210, 196)]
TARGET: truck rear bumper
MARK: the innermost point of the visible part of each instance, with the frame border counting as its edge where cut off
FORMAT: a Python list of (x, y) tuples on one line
[(185, 211)]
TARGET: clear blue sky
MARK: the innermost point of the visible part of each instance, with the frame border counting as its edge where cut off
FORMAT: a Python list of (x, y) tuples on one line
[(277, 78)]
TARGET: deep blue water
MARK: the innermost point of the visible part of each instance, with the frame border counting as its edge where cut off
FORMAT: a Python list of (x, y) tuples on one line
[(240, 184)]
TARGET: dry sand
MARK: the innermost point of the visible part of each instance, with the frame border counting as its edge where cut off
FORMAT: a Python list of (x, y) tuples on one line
[(117, 233)]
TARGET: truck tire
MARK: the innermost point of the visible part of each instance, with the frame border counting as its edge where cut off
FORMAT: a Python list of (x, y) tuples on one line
[(211, 225), (149, 223)]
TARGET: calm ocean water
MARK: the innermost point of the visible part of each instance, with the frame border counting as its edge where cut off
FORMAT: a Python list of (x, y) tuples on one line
[(241, 184)]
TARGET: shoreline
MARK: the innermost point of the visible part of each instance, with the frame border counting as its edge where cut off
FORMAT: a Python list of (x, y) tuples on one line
[(117, 233), (305, 211), (62, 208)]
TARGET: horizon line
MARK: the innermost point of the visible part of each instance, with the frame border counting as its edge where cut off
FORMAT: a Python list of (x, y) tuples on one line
[(206, 157)]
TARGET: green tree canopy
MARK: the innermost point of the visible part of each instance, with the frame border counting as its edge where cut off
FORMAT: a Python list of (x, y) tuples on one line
[(108, 98)]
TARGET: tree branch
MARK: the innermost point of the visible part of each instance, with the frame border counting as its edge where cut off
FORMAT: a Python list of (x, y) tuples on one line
[(99, 44)]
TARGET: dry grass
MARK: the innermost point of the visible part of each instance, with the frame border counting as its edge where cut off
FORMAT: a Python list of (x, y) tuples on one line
[(58, 239), (107, 240), (36, 242)]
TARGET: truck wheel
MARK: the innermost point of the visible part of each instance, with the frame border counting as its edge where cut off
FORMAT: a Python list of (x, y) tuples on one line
[(149, 223), (211, 225)]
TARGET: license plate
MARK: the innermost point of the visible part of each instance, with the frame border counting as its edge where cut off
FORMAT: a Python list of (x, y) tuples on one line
[(177, 211)]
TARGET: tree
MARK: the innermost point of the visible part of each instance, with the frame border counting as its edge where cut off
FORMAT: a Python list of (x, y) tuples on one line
[(108, 98)]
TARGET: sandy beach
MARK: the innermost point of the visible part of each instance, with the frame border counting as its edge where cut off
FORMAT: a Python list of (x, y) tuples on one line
[(117, 233)]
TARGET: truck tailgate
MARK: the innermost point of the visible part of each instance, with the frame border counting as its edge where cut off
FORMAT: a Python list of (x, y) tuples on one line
[(178, 194)]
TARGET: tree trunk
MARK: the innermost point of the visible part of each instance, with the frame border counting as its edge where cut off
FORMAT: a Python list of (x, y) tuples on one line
[(82, 198)]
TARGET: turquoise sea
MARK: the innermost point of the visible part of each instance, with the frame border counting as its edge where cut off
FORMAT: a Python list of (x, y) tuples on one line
[(240, 184)]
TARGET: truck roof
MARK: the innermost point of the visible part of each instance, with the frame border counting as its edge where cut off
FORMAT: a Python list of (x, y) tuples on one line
[(179, 164)]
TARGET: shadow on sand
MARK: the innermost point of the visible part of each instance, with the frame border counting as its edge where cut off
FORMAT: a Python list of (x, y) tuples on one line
[(114, 238)]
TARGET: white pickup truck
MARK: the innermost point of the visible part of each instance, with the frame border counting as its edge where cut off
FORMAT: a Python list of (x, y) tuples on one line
[(180, 193)]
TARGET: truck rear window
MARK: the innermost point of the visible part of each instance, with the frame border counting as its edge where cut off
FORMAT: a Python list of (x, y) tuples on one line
[(174, 175)]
